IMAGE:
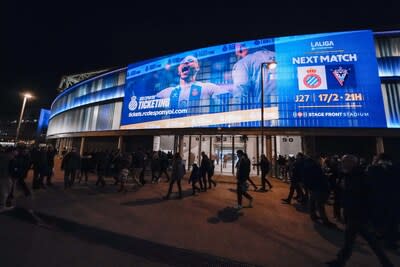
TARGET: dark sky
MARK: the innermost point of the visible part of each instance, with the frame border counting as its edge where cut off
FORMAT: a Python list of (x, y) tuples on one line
[(40, 42)]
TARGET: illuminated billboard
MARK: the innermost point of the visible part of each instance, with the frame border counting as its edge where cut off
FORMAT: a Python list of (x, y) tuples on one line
[(320, 80)]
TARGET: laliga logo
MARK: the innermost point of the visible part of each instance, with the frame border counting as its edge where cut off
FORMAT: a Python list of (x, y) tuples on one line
[(319, 45), (312, 79), (133, 104)]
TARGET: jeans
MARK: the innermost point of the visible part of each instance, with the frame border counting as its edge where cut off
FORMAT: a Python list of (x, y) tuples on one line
[(295, 186), (317, 203), (211, 181), (171, 185), (69, 177), (264, 180), (241, 192), (203, 181)]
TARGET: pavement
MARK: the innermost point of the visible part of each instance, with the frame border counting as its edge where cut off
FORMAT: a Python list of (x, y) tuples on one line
[(90, 226)]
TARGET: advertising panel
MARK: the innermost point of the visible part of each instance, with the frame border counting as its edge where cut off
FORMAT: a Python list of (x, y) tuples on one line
[(317, 80)]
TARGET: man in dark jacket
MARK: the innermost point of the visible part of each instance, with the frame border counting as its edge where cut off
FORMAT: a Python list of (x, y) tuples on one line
[(164, 164), (51, 153), (5, 181), (19, 167), (178, 171), (297, 177), (264, 166), (383, 179), (70, 164), (155, 167), (140, 165), (318, 185), (101, 167), (242, 174), (356, 212), (204, 167), (38, 160)]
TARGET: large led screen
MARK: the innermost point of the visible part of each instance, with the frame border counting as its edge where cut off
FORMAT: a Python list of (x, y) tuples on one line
[(318, 80)]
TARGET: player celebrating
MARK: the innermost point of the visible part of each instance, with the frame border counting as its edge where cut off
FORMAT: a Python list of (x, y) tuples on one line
[(189, 92)]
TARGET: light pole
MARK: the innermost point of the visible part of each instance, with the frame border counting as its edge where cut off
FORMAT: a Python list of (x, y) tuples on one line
[(26, 96), (270, 66)]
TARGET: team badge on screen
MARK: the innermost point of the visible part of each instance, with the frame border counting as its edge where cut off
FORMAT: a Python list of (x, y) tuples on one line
[(341, 76), (312, 78), (133, 104)]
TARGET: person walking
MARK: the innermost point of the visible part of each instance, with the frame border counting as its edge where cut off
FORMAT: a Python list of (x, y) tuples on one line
[(51, 153), (178, 171), (5, 181), (383, 178), (164, 164), (40, 167), (124, 165), (155, 167), (356, 213), (140, 164), (195, 177), (19, 167), (101, 167), (264, 166), (85, 167), (248, 177), (317, 183), (210, 174), (297, 177), (242, 174), (70, 164), (204, 169)]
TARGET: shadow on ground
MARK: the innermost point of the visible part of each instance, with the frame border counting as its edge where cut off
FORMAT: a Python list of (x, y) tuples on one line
[(226, 215), (336, 237), (156, 200), (128, 244)]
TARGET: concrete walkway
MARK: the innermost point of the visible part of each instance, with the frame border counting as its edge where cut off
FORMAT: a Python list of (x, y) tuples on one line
[(203, 229)]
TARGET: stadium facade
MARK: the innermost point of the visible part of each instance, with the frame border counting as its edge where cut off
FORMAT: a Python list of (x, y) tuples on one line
[(333, 92)]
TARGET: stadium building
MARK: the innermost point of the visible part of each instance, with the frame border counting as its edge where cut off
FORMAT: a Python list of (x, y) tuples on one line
[(321, 93)]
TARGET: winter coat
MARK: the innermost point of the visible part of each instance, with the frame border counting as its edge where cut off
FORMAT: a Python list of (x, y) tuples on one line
[(178, 170), (243, 170), (71, 161)]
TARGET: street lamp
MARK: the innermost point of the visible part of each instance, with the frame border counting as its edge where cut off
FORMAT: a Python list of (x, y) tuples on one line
[(270, 66), (26, 96)]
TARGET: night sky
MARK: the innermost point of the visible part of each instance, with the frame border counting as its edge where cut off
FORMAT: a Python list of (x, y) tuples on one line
[(42, 42)]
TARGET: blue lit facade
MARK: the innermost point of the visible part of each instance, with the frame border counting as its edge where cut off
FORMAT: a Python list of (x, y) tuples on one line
[(94, 106), (388, 54)]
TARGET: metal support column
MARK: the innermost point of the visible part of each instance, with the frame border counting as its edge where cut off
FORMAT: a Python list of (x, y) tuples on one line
[(190, 152), (380, 148), (120, 141), (233, 154), (81, 148)]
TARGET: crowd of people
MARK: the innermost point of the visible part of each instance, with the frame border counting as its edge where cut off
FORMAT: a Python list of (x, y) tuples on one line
[(15, 163), (363, 195)]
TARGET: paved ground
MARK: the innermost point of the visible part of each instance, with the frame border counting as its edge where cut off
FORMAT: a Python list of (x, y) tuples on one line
[(86, 226)]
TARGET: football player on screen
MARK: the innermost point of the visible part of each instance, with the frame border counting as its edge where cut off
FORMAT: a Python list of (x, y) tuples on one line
[(246, 75), (190, 92)]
